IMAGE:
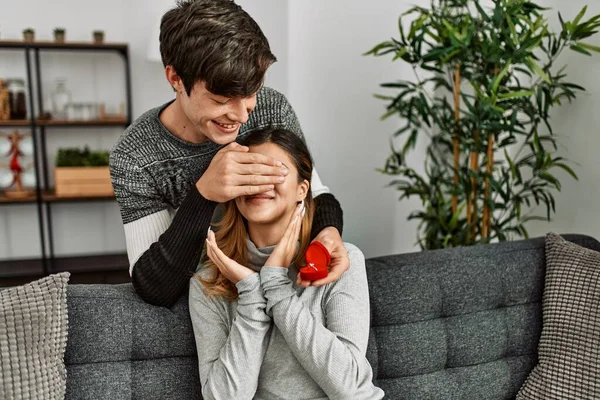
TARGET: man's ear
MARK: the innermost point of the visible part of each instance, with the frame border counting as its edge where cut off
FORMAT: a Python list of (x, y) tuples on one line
[(174, 79), (302, 190)]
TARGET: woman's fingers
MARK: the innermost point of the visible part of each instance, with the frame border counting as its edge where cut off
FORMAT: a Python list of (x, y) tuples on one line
[(297, 225), (210, 253), (212, 250), (288, 235)]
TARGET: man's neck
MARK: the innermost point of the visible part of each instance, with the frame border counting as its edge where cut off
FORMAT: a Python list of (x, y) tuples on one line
[(174, 119)]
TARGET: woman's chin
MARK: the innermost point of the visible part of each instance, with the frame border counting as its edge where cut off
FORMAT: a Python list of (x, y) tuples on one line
[(260, 217)]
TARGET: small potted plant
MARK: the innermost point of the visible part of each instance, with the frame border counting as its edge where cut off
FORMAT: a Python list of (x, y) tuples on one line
[(98, 37), (82, 173), (59, 35), (29, 35)]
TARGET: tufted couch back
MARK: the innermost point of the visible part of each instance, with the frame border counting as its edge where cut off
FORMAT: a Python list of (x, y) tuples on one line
[(450, 324), (459, 323)]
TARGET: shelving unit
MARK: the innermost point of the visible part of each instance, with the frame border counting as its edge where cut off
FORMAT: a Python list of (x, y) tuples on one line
[(65, 123), (44, 196)]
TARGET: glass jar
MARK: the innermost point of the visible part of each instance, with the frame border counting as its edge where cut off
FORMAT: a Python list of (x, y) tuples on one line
[(17, 98), (61, 96)]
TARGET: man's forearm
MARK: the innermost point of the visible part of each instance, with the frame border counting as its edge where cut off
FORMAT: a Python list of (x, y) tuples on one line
[(328, 212), (161, 274)]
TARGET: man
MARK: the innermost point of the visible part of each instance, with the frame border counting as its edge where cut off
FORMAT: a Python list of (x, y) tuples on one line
[(175, 163)]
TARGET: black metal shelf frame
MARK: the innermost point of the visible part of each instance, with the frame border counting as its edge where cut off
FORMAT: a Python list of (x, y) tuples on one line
[(38, 130)]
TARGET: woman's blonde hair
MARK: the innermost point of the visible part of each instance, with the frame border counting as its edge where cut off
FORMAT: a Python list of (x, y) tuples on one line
[(231, 231)]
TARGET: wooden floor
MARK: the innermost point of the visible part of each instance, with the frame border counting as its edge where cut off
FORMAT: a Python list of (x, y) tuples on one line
[(97, 269), (111, 277)]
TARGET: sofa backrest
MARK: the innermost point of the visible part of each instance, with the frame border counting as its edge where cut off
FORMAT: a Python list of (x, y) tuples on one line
[(120, 347), (458, 323), (449, 324)]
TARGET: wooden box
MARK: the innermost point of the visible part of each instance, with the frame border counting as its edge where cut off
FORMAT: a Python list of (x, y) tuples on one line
[(82, 181)]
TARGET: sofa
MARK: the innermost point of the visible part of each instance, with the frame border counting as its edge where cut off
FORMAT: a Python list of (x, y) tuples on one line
[(459, 323)]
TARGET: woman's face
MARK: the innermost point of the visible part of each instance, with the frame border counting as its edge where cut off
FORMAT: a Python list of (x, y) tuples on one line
[(278, 204)]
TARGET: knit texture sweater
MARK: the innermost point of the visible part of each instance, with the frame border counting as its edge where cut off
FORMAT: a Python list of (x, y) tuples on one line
[(281, 341), (165, 218)]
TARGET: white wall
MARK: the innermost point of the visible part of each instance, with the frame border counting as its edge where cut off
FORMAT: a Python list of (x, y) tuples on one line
[(329, 83), (86, 227), (96, 227), (576, 126), (331, 87)]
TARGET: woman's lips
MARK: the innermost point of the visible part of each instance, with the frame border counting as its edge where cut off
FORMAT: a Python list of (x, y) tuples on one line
[(258, 199)]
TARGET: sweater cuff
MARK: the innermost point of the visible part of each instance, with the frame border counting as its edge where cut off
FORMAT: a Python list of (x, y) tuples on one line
[(276, 285), (187, 232), (162, 273), (328, 213), (249, 290)]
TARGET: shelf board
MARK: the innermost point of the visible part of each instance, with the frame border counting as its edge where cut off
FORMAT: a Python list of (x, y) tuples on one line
[(50, 197), (16, 200), (49, 45), (92, 122), (66, 123), (15, 122), (75, 264), (87, 263)]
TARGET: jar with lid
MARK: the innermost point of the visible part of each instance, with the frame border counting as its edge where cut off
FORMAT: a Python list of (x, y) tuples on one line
[(61, 97), (17, 98)]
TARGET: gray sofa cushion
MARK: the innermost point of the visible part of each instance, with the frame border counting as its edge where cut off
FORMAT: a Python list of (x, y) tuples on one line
[(569, 347), (33, 337), (449, 324), (459, 323), (120, 347)]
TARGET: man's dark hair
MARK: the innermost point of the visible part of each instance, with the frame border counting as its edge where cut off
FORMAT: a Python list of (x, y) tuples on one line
[(217, 42)]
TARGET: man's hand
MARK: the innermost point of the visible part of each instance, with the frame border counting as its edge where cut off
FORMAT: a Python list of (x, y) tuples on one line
[(235, 172), (331, 239)]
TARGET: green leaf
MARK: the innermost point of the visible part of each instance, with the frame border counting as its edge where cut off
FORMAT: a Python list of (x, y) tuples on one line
[(388, 114), (453, 31), (513, 31), (533, 218), (580, 15), (580, 49), (567, 169), (382, 97), (500, 76), (515, 95), (400, 53), (536, 68), (589, 46)]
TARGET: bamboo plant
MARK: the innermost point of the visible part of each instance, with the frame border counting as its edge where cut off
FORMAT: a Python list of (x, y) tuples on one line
[(485, 82)]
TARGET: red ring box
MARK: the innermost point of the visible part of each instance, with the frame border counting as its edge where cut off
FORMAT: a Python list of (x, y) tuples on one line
[(317, 260)]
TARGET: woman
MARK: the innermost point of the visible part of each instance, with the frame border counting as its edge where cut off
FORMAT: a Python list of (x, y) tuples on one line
[(259, 335)]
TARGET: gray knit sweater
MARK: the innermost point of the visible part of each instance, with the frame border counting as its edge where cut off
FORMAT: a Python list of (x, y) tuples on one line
[(281, 341), (165, 218)]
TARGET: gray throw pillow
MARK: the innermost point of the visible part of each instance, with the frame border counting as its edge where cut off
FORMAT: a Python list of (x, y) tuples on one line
[(569, 347), (33, 337)]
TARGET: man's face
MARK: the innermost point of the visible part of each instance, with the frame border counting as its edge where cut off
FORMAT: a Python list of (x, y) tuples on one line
[(216, 118)]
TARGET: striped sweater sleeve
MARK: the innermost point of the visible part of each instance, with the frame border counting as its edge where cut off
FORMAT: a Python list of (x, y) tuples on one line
[(333, 355), (163, 254)]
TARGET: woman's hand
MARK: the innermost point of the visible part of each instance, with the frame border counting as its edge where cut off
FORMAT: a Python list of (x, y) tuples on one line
[(284, 252), (232, 270)]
